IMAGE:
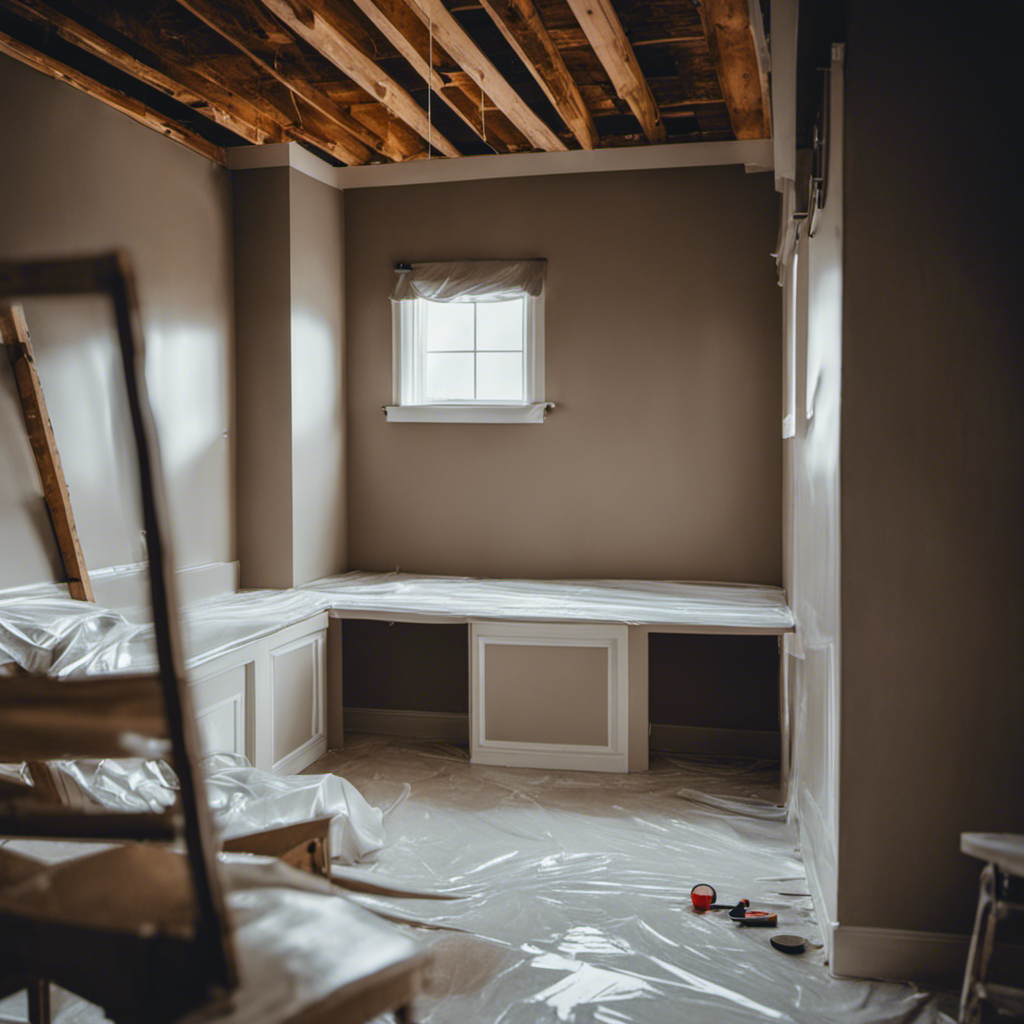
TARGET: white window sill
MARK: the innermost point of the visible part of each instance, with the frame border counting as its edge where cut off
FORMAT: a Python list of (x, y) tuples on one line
[(454, 413)]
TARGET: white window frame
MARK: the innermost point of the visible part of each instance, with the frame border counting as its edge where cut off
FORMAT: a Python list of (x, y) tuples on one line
[(407, 331)]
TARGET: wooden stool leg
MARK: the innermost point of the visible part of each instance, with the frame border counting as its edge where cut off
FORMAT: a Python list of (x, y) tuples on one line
[(981, 948), (39, 1001)]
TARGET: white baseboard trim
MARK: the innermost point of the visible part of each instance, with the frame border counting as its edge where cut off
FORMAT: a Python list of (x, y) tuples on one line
[(688, 739), (931, 959), (934, 959), (432, 725), (301, 758)]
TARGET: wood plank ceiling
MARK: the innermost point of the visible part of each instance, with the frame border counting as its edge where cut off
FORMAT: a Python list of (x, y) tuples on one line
[(376, 81)]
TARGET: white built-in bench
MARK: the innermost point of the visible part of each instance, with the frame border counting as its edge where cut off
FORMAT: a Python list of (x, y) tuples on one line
[(257, 660), (558, 668)]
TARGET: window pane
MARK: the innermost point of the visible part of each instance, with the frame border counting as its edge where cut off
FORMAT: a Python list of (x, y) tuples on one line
[(449, 325), (449, 376), (499, 376), (499, 324)]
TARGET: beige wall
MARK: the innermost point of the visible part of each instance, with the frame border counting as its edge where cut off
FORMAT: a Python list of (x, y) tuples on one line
[(933, 651), (77, 177), (663, 457), (318, 396), (289, 281)]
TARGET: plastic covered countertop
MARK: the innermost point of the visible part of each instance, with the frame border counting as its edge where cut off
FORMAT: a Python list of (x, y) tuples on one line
[(59, 636), (723, 607)]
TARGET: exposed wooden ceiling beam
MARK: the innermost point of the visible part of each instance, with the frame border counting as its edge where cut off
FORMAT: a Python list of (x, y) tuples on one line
[(452, 36), (165, 29), (409, 36), (524, 31), (327, 34), (731, 42), (605, 34), (231, 24), (496, 129), (220, 105), (133, 108)]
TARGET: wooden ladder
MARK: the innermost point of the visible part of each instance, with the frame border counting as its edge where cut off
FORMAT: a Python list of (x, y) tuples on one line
[(138, 928)]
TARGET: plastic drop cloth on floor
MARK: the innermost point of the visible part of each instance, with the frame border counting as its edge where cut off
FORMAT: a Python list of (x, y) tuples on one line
[(573, 893), (242, 799)]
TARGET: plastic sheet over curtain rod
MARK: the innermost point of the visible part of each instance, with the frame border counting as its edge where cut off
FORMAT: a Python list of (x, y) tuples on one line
[(470, 280)]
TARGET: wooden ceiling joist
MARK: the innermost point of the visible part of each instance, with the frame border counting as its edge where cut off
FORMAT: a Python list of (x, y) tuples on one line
[(220, 105), (453, 37), (135, 109), (397, 22), (164, 28), (240, 26), (342, 77), (495, 128), (524, 31), (606, 35), (733, 49), (314, 24)]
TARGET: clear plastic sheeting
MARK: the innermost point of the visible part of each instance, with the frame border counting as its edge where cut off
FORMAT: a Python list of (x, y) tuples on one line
[(745, 608), (242, 799), (470, 281), (59, 636), (573, 893)]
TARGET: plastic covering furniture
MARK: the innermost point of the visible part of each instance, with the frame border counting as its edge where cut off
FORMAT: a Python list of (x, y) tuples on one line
[(555, 632), (141, 929), (1002, 894)]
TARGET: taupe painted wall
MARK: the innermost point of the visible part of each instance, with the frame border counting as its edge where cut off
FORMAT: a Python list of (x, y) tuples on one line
[(933, 651), (77, 177), (262, 229), (289, 281), (318, 395), (663, 457)]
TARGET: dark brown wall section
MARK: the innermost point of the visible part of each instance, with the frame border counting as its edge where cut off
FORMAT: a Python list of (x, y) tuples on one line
[(405, 666), (714, 682)]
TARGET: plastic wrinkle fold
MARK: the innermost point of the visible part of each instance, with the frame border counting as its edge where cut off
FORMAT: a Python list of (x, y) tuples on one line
[(59, 636), (471, 281), (634, 602), (242, 799), (575, 893)]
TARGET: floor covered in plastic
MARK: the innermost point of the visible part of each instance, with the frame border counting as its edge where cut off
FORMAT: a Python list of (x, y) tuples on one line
[(551, 896), (573, 892)]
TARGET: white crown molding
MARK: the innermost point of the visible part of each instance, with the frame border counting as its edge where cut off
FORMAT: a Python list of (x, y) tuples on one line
[(754, 155)]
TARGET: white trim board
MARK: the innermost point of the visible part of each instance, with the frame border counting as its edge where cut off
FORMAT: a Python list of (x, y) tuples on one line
[(612, 756), (935, 959), (753, 154)]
